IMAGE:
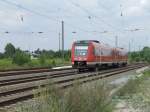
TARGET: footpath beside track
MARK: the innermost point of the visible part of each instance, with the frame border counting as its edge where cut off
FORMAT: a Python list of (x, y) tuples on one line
[(18, 88)]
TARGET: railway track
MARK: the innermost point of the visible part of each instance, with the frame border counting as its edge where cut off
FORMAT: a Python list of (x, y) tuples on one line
[(20, 87), (22, 78), (28, 71)]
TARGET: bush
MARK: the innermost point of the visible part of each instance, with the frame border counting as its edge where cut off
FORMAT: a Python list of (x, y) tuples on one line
[(34, 63), (20, 58), (137, 59), (136, 93), (42, 59), (130, 88), (133, 85), (53, 63)]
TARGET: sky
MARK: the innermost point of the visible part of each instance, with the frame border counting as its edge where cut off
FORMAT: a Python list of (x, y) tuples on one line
[(103, 20)]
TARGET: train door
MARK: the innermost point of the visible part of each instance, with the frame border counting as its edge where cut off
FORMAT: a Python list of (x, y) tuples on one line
[(114, 58), (97, 61)]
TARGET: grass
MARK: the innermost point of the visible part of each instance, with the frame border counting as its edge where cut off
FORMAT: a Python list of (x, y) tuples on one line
[(137, 92), (7, 63), (76, 99), (133, 85)]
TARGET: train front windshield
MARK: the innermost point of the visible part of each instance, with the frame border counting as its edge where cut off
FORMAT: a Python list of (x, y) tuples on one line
[(81, 50)]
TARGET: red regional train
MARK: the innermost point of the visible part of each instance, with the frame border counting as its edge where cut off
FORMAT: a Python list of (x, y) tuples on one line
[(91, 54)]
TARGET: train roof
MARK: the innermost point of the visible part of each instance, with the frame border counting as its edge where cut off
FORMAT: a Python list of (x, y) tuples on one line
[(98, 43), (120, 49), (86, 41)]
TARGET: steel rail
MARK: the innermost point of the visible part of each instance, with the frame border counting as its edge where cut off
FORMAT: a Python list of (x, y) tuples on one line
[(30, 71), (33, 77)]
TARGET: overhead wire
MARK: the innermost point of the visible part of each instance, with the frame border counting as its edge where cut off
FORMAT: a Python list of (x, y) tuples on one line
[(43, 15), (100, 18), (37, 13), (93, 15), (90, 13), (56, 20), (40, 14), (29, 10)]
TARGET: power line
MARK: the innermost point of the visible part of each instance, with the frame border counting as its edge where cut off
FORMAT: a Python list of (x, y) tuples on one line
[(77, 15), (29, 10), (100, 18), (32, 32), (43, 15), (93, 15), (48, 17), (88, 12)]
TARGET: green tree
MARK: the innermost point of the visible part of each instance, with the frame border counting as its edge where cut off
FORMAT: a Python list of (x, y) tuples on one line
[(146, 54), (9, 50), (58, 54), (1, 56), (143, 55)]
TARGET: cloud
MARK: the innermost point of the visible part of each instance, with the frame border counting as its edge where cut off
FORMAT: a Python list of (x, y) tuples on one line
[(143, 2), (136, 8), (88, 3), (12, 18), (134, 11)]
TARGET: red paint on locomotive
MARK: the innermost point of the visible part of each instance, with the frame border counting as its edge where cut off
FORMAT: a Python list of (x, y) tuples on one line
[(90, 54)]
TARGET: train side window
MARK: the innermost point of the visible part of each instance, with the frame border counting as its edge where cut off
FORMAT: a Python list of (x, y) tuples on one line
[(96, 52), (102, 53), (107, 52)]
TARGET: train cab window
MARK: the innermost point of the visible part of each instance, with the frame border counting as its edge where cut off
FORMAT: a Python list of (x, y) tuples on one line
[(81, 50)]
